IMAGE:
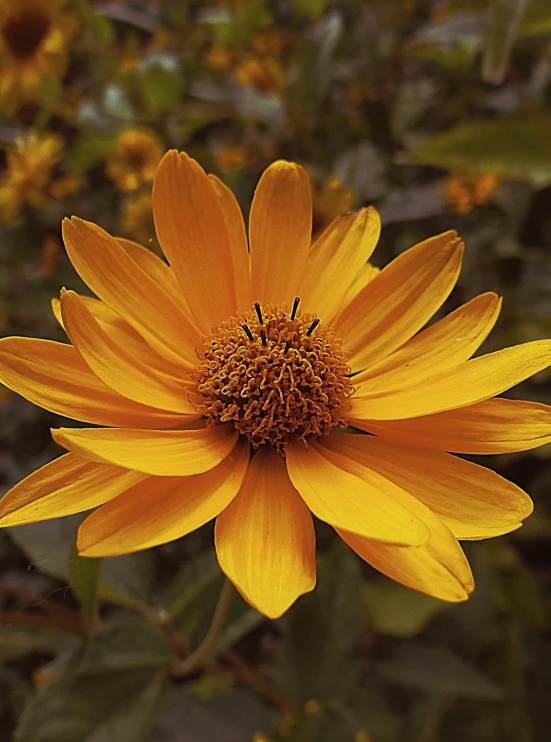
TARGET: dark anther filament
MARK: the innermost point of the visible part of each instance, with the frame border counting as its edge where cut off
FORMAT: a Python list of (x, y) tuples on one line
[(247, 332), (295, 307), (312, 327), (263, 336), (258, 311)]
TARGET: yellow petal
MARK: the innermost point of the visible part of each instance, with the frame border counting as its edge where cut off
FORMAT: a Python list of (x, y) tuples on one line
[(265, 538), (336, 492), (192, 233), (399, 300), (54, 376), (469, 498), (162, 509), (65, 486), (117, 368), (492, 426), (163, 453), (280, 228), (119, 281), (124, 335), (363, 277), (439, 568), (156, 269), (335, 260), (465, 384), (448, 342), (235, 225)]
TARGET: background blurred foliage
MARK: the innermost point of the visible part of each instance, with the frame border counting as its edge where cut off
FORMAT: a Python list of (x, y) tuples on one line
[(438, 113)]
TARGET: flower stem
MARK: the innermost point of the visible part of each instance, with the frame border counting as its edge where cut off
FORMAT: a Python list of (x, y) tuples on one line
[(201, 654)]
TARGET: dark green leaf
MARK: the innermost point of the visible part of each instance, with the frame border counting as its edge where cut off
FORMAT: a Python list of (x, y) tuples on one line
[(119, 706), (503, 23), (322, 634), (90, 149), (512, 148), (398, 611), (438, 670), (161, 86), (84, 575)]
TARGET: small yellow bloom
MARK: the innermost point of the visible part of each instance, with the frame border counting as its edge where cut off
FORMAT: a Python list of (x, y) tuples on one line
[(33, 47), (235, 382), (28, 173), (229, 159), (51, 250), (330, 200), (135, 159), (465, 191), (312, 707), (137, 219), (66, 185), (265, 74)]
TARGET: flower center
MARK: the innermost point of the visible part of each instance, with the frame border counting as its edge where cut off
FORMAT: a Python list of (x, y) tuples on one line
[(274, 376), (136, 155), (23, 31)]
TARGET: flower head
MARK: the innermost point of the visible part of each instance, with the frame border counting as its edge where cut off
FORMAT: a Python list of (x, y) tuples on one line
[(465, 191), (33, 47), (29, 173), (238, 383), (135, 159)]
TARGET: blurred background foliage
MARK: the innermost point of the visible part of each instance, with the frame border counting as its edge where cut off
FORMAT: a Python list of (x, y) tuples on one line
[(437, 112)]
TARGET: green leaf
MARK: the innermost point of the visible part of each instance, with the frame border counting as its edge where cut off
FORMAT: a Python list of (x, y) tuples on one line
[(106, 689), (116, 102), (512, 148), (18, 641), (315, 63), (397, 610), (84, 575), (239, 31), (197, 583), (322, 634), (536, 20), (437, 670), (160, 84), (120, 706), (89, 150), (125, 580), (132, 644), (313, 8), (503, 23)]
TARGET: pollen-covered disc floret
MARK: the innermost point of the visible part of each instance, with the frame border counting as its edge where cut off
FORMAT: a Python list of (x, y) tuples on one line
[(274, 376)]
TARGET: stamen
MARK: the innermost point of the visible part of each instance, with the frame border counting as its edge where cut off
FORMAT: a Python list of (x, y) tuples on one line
[(312, 327), (263, 391), (295, 307)]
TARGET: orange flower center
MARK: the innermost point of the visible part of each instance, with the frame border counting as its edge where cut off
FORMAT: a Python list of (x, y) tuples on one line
[(274, 376), (136, 155), (24, 30)]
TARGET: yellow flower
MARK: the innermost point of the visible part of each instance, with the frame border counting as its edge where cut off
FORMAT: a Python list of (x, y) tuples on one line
[(265, 74), (135, 159), (229, 159), (137, 219), (28, 173), (219, 384), (465, 191), (33, 47), (51, 250), (329, 200)]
